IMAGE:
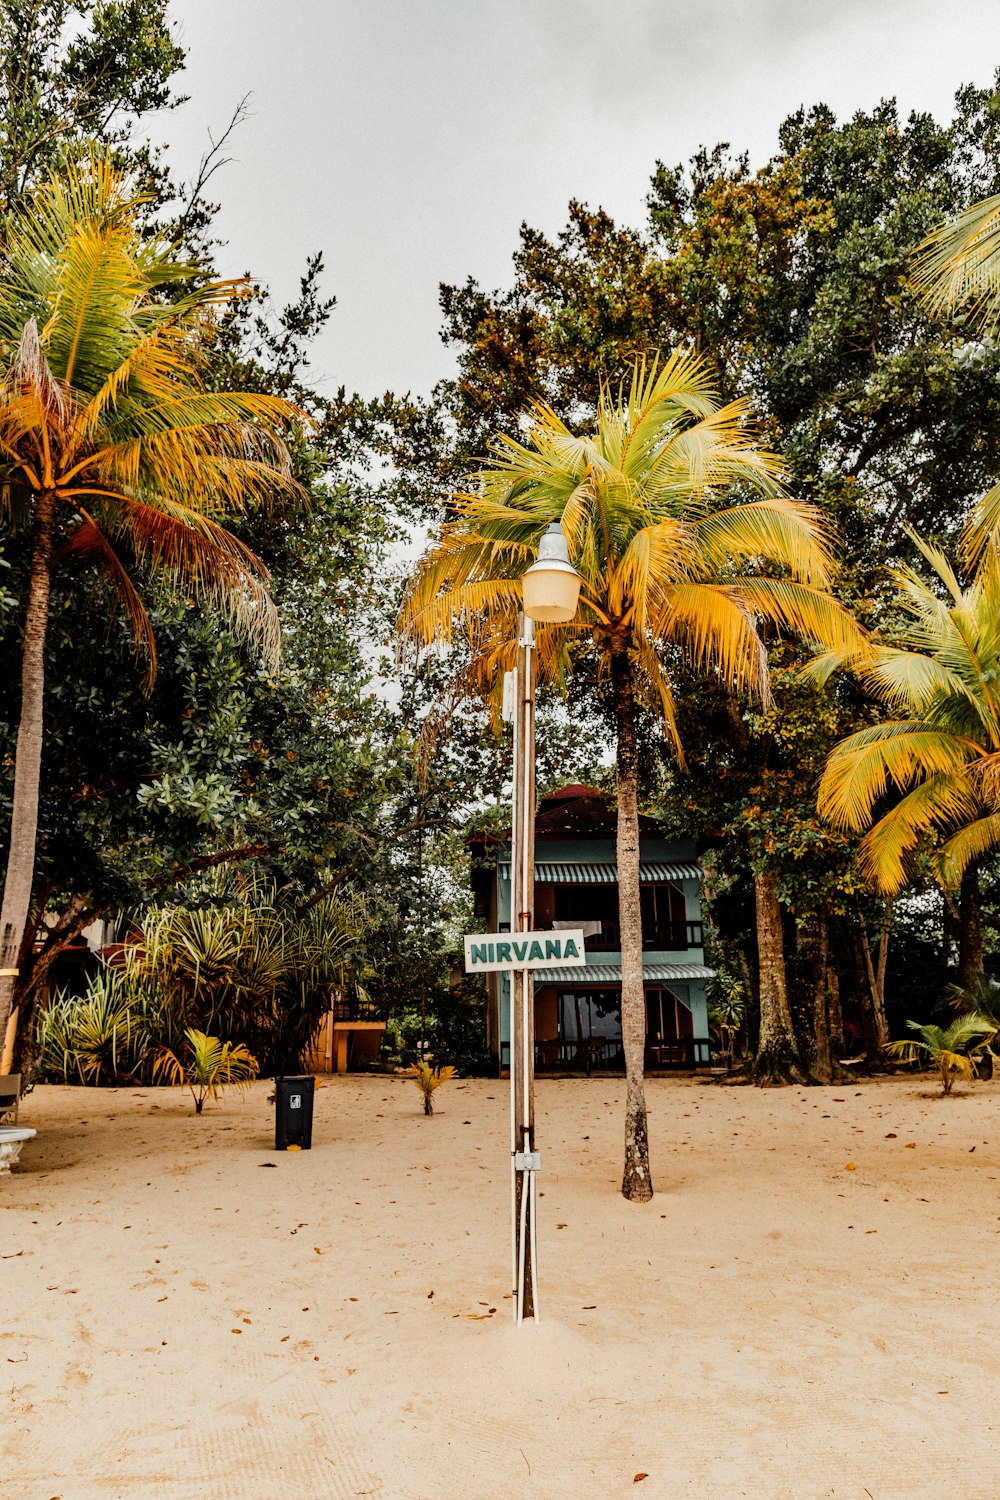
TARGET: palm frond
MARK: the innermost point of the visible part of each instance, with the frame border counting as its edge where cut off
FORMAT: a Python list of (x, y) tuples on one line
[(958, 265), (862, 767), (940, 801), (976, 839)]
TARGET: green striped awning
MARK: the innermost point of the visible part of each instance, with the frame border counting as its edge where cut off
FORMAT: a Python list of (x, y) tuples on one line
[(578, 873), (589, 974)]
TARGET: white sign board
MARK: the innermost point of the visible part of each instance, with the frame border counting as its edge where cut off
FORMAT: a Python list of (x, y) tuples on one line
[(489, 951)]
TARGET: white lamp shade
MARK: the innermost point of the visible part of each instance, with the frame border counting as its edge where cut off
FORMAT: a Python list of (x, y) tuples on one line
[(551, 590), (551, 587)]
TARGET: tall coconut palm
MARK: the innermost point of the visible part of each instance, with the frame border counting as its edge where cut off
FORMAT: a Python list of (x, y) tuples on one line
[(114, 452), (669, 571), (939, 761)]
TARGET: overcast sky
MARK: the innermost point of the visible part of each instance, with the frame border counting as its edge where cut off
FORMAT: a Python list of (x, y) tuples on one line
[(408, 139)]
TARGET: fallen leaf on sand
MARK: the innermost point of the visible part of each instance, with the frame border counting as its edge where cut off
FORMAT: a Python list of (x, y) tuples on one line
[(267, 1164), (911, 1146), (429, 1295), (850, 1167), (637, 1477), (891, 1136), (317, 1250)]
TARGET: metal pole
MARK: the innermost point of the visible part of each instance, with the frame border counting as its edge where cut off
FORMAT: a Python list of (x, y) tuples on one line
[(522, 1050)]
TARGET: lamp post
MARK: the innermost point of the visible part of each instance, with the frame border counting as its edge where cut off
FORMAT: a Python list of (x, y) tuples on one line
[(550, 591)]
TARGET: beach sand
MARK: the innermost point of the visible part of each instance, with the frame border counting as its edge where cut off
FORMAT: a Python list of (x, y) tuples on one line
[(808, 1307)]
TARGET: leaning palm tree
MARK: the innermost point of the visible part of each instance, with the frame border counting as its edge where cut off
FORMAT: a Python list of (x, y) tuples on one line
[(113, 451), (669, 570), (936, 768)]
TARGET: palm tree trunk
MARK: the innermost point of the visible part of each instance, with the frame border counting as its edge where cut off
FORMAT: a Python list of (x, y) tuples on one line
[(637, 1183), (777, 1057), (28, 758)]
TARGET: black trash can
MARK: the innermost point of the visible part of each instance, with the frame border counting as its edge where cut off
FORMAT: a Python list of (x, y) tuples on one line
[(293, 1113)]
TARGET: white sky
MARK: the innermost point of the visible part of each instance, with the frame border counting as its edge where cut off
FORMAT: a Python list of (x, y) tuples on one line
[(408, 139)]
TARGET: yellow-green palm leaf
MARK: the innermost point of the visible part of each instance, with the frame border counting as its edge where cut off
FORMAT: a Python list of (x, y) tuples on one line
[(958, 265), (942, 761)]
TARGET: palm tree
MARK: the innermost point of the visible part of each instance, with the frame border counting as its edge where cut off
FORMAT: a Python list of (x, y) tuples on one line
[(668, 572), (113, 451), (941, 759)]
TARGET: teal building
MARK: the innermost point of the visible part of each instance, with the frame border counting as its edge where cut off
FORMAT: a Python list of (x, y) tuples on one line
[(578, 1011)]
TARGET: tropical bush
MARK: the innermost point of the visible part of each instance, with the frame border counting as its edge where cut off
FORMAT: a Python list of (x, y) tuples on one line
[(243, 966), (727, 1012)]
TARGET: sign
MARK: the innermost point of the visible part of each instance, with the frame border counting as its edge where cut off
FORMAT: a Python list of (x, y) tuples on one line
[(486, 952)]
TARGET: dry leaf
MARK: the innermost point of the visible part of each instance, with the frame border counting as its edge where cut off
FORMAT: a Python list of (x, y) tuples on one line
[(850, 1167), (911, 1146), (637, 1477)]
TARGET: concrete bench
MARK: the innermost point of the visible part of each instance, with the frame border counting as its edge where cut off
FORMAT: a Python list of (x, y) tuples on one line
[(12, 1138)]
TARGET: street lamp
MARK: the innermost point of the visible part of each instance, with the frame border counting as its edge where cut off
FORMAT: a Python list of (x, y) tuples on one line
[(550, 592)]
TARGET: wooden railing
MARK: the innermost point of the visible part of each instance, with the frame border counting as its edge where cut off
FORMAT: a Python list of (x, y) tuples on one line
[(598, 1054)]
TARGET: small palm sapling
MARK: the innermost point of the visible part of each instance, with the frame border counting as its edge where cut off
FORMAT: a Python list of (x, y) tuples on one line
[(427, 1079), (210, 1066)]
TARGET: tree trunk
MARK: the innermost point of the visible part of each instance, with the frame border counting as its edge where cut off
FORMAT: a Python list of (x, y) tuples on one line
[(28, 758), (970, 929), (877, 1027), (819, 953), (835, 1012), (636, 1181), (777, 1057)]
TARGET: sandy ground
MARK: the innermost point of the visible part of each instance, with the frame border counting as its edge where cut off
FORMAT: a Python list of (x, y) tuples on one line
[(187, 1314)]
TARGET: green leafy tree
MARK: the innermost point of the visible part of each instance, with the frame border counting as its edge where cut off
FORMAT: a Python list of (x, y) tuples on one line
[(793, 280)]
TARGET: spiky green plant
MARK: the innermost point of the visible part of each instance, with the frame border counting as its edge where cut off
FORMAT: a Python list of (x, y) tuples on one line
[(949, 1048), (98, 1037), (427, 1079), (209, 1066)]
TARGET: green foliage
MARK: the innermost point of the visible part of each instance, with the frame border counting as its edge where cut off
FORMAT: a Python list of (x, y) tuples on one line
[(727, 1013), (248, 965), (949, 1049), (207, 1067)]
